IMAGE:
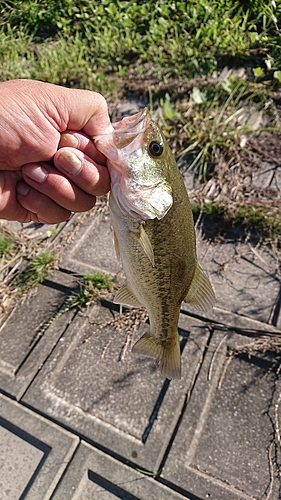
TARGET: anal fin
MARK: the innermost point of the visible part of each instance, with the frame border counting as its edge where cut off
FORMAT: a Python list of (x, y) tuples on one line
[(200, 294)]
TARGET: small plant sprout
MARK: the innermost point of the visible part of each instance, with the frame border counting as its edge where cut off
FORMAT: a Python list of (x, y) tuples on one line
[(215, 123), (91, 285), (7, 245), (36, 271)]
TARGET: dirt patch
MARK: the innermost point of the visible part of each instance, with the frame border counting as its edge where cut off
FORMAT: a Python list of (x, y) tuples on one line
[(248, 176)]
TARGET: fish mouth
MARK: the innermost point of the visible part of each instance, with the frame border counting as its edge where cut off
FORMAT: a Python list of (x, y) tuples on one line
[(132, 123), (130, 127), (125, 131)]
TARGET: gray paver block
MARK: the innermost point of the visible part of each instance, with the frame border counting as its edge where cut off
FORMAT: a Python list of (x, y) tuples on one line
[(268, 176), (21, 352), (239, 273), (93, 475), (16, 455), (223, 443), (92, 248), (32, 230), (33, 453), (126, 107), (125, 406), (245, 280)]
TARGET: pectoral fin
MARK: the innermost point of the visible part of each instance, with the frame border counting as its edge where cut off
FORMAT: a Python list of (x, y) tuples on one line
[(200, 294), (145, 243), (126, 297), (116, 245)]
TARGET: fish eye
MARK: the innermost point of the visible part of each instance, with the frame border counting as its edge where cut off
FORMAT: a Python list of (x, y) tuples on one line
[(155, 148)]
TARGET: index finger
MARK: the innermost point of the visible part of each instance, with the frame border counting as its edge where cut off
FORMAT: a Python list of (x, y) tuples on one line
[(81, 170), (81, 141)]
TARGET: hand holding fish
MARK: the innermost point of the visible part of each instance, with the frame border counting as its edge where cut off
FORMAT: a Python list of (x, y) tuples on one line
[(154, 235), (48, 165)]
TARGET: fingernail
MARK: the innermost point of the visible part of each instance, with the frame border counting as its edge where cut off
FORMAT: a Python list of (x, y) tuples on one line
[(68, 140), (23, 188), (69, 162), (37, 174)]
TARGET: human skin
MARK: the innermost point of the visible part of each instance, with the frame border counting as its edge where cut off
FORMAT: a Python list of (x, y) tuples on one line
[(49, 166)]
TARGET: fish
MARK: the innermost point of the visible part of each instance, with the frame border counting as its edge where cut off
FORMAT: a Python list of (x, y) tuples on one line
[(154, 235)]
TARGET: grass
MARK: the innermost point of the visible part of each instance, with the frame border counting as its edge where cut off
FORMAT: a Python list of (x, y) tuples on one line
[(211, 119), (24, 264), (213, 123), (178, 46), (252, 221), (258, 220), (27, 261), (91, 285), (7, 245), (35, 272), (183, 39)]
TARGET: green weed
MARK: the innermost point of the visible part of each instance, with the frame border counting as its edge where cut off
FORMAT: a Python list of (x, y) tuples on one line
[(215, 118), (90, 285), (181, 39), (100, 281), (35, 272), (7, 245), (260, 221), (169, 109), (212, 120), (212, 211), (254, 221)]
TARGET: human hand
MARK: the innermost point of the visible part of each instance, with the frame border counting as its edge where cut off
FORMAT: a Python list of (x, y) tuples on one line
[(49, 166)]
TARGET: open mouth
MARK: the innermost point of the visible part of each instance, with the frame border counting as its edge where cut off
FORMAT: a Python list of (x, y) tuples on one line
[(130, 128), (134, 123), (125, 132)]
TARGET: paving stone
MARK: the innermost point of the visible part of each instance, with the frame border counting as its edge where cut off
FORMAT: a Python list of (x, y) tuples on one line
[(246, 281), (124, 406), (33, 230), (212, 432), (22, 351), (92, 248), (188, 176), (268, 176), (17, 455), (127, 107), (33, 453), (93, 475), (224, 447)]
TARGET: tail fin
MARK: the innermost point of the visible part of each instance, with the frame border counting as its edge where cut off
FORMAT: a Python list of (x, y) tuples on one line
[(168, 358)]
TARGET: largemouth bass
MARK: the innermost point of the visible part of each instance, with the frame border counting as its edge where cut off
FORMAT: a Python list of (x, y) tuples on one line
[(154, 235)]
